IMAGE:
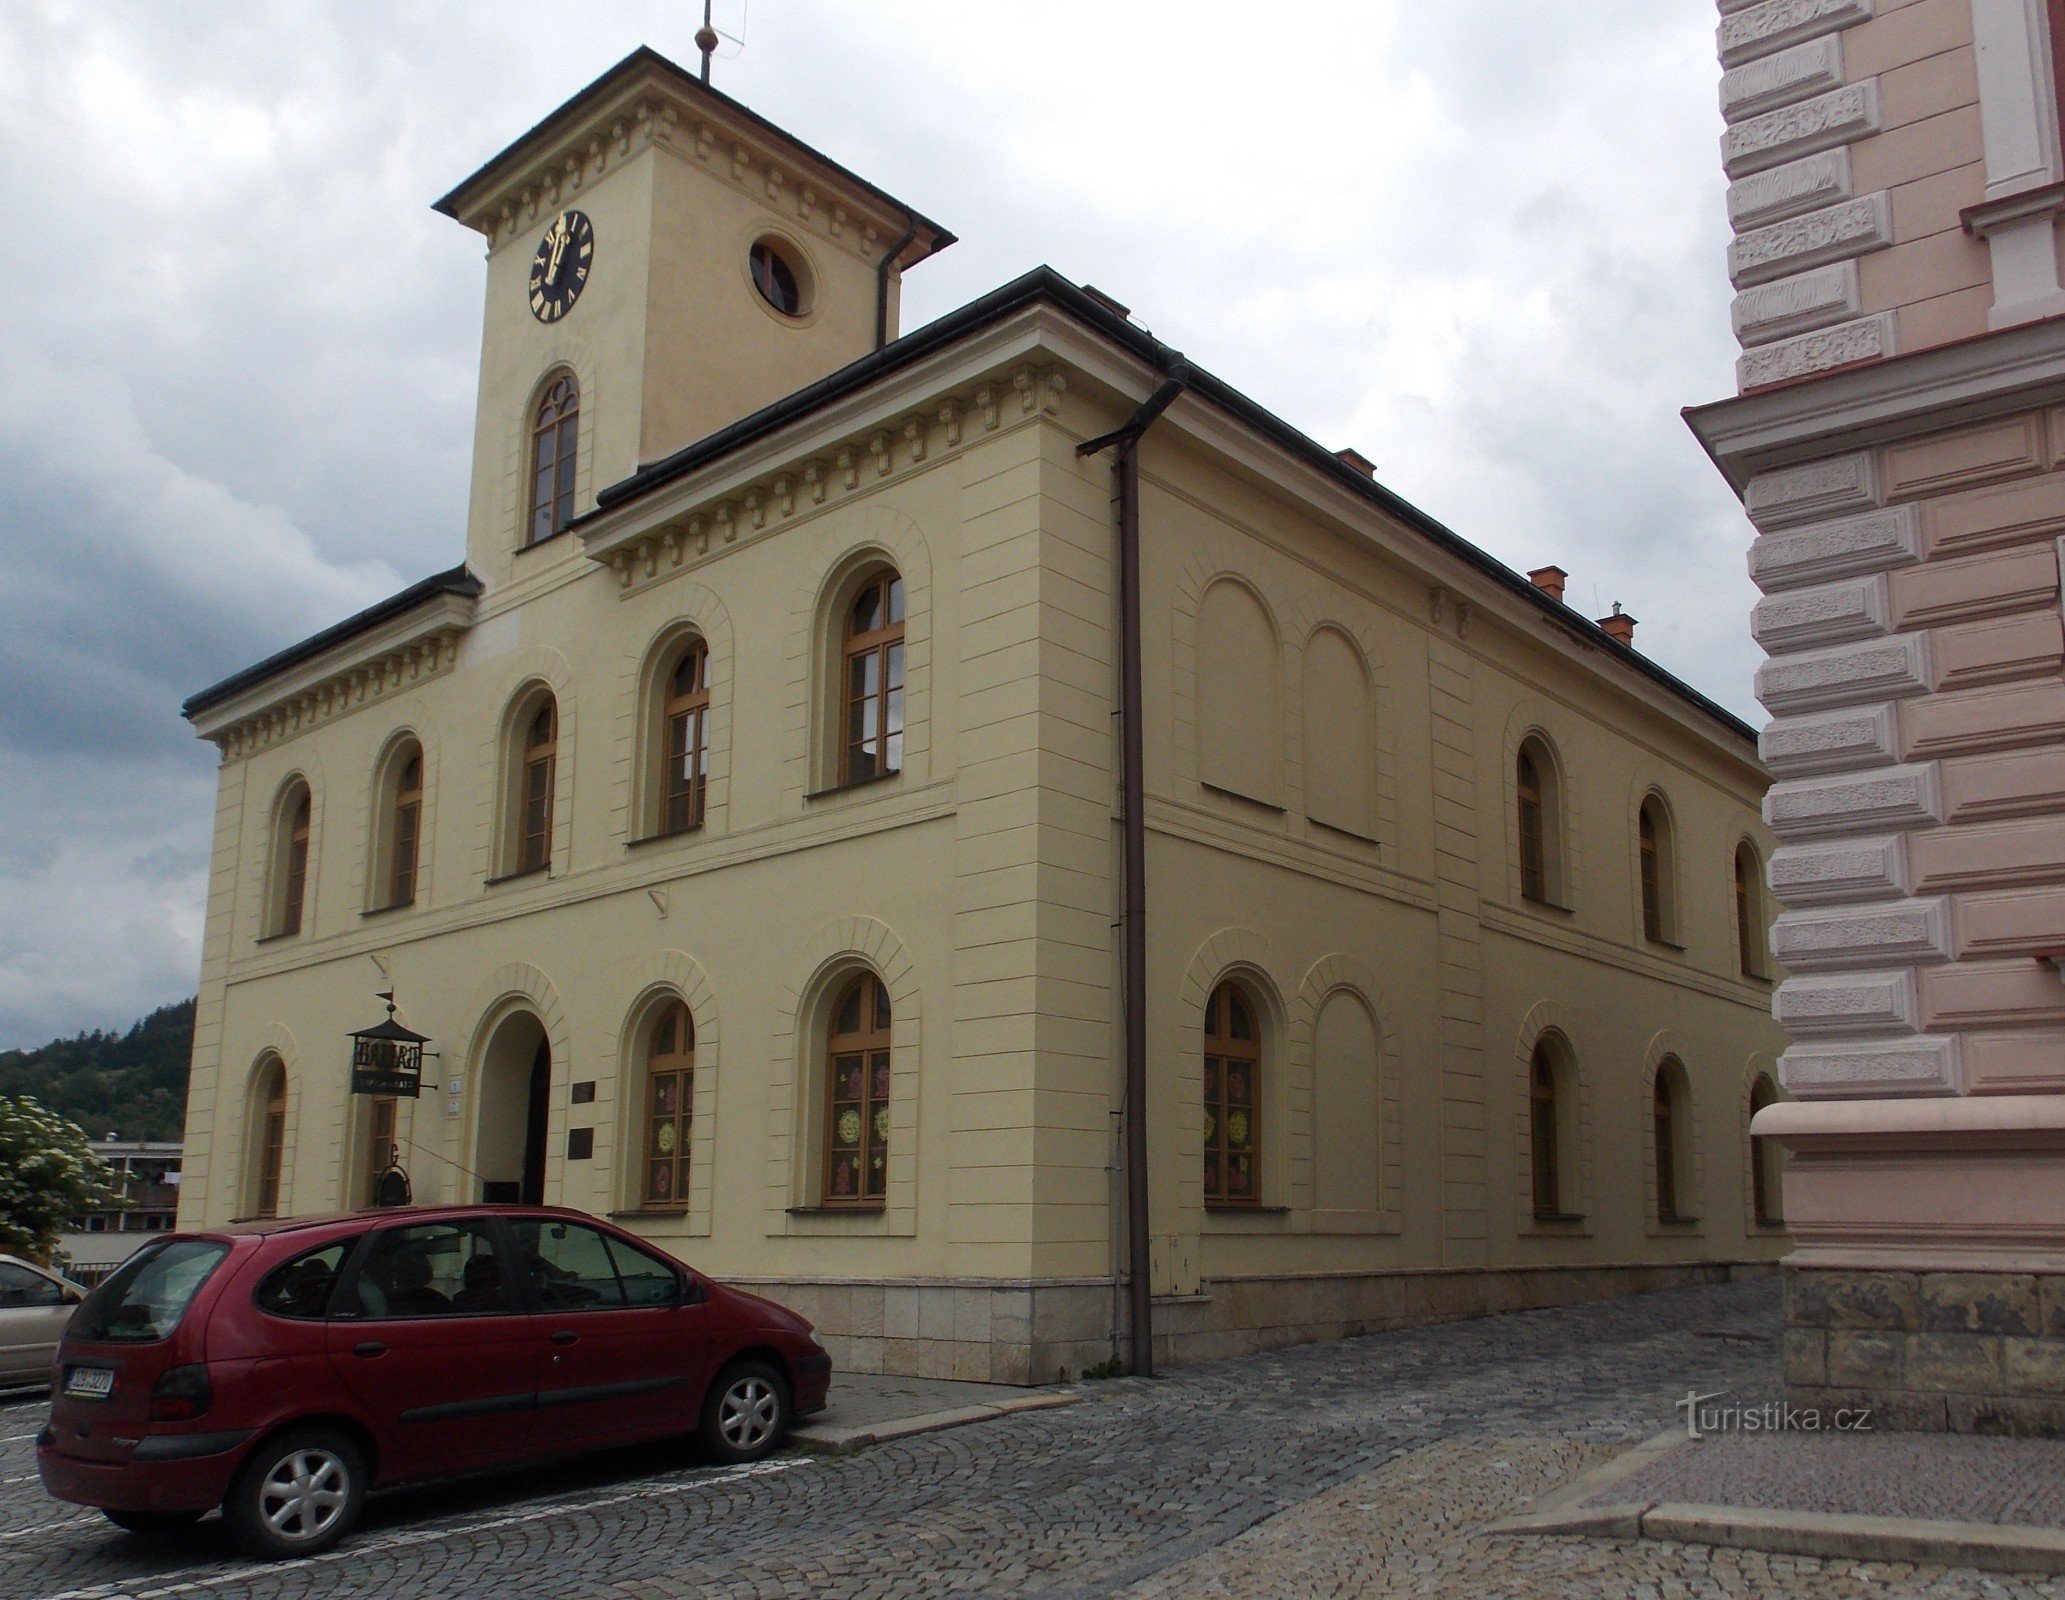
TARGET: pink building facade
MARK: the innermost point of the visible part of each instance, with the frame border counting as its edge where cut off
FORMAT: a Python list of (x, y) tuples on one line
[(1898, 440)]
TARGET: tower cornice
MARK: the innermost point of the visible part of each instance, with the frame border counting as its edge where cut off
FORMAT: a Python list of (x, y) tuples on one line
[(646, 99)]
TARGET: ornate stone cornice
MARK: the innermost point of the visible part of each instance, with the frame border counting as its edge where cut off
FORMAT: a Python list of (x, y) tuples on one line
[(648, 101), (415, 649), (644, 551)]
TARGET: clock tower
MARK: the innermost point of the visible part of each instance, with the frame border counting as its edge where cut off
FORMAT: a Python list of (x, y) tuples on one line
[(661, 262)]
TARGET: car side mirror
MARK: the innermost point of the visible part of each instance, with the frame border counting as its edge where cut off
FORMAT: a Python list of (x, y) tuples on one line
[(692, 1291)]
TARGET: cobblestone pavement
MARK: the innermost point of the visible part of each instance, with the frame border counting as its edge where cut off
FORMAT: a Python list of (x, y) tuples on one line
[(1355, 1468), (1872, 1475)]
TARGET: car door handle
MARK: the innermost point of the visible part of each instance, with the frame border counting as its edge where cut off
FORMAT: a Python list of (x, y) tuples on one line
[(564, 1336), (369, 1347)]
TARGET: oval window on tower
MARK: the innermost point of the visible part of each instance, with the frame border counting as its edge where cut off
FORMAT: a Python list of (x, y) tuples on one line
[(782, 282)]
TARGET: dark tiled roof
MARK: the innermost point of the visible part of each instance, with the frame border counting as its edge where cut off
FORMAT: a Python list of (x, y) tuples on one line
[(455, 580)]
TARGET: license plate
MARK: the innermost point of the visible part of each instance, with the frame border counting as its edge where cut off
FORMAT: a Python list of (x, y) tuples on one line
[(90, 1383)]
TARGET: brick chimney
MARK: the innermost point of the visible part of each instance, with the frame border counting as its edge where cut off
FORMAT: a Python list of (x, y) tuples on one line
[(1620, 626), (1550, 581), (1360, 462)]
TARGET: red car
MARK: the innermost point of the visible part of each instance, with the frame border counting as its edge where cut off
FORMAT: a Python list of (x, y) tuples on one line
[(282, 1369)]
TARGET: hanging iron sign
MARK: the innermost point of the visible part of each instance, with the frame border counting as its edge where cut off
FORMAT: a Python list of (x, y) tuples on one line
[(387, 1058)]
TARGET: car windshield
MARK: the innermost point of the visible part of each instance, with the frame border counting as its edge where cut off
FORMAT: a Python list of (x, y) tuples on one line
[(148, 1295)]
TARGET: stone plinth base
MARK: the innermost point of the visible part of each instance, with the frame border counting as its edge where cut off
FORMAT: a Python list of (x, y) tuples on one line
[(1962, 1352), (992, 1331)]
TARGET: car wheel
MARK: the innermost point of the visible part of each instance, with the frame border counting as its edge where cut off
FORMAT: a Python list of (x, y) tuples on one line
[(152, 1524), (299, 1492), (746, 1412)]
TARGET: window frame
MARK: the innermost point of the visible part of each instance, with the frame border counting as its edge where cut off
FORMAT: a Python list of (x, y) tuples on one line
[(270, 1126), (405, 830), (1223, 1053), (688, 712), (536, 774), (1531, 818), (554, 420), (873, 1043), (1545, 1133), (886, 645), (682, 1055), (1664, 1117), (1749, 911)]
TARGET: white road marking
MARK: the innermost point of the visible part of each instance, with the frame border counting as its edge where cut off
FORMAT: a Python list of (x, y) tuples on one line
[(46, 1527), (9, 1483), (16, 1438), (354, 1549)]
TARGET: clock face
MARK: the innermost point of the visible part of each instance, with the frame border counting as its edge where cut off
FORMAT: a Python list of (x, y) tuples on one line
[(559, 270)]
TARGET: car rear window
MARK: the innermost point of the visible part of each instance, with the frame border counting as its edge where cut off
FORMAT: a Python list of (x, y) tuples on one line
[(149, 1293), (302, 1286)]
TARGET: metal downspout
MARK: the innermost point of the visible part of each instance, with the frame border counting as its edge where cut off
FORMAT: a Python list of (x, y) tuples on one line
[(1133, 850)]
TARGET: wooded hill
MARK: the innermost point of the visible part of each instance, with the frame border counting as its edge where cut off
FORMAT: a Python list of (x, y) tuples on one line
[(132, 1084)]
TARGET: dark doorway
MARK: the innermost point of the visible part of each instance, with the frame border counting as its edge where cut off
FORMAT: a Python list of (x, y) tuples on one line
[(534, 1126)]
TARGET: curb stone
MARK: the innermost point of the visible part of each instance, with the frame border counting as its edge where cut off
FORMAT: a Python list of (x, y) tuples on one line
[(1995, 1547), (841, 1441)]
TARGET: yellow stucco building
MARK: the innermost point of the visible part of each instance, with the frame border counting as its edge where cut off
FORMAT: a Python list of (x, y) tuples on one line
[(744, 820)]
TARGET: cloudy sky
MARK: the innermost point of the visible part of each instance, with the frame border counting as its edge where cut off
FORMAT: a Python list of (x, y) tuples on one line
[(1479, 240)]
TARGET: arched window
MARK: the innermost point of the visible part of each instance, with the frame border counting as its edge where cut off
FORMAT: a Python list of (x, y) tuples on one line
[(400, 827), (871, 741), (1534, 822), (1667, 1125), (1767, 1194), (290, 860), (537, 776), (685, 736), (857, 1097), (1659, 899), (555, 432), (670, 1069), (270, 1131), (381, 1151), (1749, 912), (1233, 1069), (1545, 1134)]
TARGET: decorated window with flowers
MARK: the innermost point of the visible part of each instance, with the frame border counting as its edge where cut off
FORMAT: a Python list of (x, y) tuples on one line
[(670, 1108), (1233, 1066), (857, 1097)]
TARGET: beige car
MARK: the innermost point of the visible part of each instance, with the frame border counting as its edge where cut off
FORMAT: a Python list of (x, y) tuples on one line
[(35, 1305)]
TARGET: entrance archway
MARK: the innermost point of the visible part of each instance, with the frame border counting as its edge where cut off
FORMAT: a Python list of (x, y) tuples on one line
[(515, 1106)]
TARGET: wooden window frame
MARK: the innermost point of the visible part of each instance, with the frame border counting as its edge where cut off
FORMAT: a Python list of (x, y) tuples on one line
[(1663, 1115), (869, 1051), (537, 776), (299, 818), (1748, 921), (684, 736), (667, 1133), (1649, 844), (1533, 824), (272, 1140), (883, 648), (1545, 1134), (555, 443), (405, 829), (1224, 1057)]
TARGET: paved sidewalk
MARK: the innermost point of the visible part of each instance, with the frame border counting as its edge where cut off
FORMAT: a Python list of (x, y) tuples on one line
[(864, 1409)]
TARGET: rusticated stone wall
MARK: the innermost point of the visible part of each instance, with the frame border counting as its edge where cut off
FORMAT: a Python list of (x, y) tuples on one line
[(1967, 1352)]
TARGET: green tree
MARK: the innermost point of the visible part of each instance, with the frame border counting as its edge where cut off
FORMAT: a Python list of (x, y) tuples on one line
[(48, 1174)]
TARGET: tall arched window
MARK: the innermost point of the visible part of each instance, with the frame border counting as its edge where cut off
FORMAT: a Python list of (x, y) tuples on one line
[(670, 1067), (290, 860), (270, 1130), (857, 1097), (1233, 1070), (537, 777), (399, 826), (871, 735), (1659, 900), (685, 731), (1545, 1133), (1538, 822), (1666, 1122), (381, 1150), (555, 433), (1534, 876), (1767, 1196), (1749, 917)]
